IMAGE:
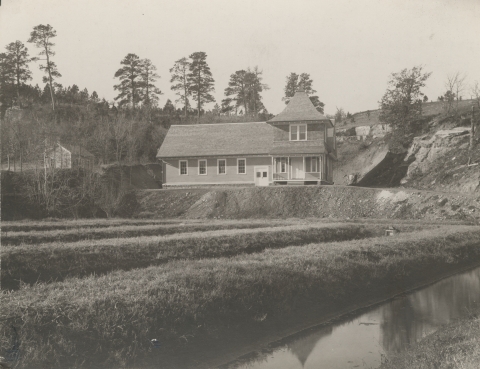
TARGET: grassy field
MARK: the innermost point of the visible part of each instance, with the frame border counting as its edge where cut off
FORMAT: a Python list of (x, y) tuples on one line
[(209, 283)]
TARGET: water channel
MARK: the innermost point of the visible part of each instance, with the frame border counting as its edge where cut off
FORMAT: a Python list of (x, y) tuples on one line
[(361, 341)]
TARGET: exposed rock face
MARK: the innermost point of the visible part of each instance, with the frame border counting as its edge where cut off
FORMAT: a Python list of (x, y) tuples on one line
[(425, 150)]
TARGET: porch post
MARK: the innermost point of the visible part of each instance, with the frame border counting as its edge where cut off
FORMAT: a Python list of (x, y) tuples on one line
[(288, 168), (304, 171), (274, 165)]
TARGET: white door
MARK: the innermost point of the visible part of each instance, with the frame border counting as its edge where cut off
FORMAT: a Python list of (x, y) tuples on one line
[(297, 168), (261, 176)]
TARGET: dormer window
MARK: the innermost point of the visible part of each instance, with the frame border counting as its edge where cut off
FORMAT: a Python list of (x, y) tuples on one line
[(298, 132)]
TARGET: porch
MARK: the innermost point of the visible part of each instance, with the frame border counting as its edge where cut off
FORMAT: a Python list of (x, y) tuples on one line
[(298, 169)]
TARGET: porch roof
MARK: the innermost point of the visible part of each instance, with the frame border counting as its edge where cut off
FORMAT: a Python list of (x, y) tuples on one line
[(297, 148)]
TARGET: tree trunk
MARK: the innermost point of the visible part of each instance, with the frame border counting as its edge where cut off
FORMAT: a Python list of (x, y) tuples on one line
[(472, 129), (50, 79)]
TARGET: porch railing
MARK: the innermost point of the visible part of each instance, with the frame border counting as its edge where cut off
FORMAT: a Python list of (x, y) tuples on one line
[(288, 176)]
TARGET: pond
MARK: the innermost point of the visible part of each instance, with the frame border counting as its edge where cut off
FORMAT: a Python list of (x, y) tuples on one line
[(361, 341)]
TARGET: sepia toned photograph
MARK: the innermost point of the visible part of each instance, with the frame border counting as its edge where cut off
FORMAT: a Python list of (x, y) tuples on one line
[(240, 184)]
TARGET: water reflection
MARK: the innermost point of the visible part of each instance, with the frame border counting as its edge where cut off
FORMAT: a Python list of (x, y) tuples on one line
[(360, 342)]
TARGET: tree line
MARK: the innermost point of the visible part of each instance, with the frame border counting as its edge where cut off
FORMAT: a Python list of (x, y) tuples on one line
[(131, 128)]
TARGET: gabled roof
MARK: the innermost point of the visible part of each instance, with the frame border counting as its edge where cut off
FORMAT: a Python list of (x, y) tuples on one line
[(300, 108), (201, 140), (78, 150), (74, 150)]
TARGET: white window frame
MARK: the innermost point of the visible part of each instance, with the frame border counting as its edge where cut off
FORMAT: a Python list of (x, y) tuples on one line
[(238, 167), (218, 167), (180, 167), (297, 128), (206, 167)]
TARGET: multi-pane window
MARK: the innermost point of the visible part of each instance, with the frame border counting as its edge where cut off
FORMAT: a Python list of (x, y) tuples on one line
[(202, 167), (241, 166), (281, 165), (298, 132), (222, 166), (183, 167), (312, 164)]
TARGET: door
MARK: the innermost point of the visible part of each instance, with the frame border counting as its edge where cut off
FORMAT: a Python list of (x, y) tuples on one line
[(297, 168), (261, 176)]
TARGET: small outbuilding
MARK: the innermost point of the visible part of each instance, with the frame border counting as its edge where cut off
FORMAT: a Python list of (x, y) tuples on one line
[(63, 156)]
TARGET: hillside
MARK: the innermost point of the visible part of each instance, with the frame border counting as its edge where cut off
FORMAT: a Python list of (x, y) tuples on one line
[(371, 117), (436, 160), (305, 201)]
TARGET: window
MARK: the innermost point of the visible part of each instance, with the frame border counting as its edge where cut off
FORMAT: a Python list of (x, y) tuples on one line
[(312, 165), (241, 166), (298, 132), (202, 167), (281, 165), (183, 167), (221, 166)]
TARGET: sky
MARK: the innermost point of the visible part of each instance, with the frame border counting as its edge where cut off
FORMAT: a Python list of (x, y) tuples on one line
[(349, 47)]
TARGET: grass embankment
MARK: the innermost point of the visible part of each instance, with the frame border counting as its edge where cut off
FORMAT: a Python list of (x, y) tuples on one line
[(28, 226), (456, 345), (57, 261), (77, 234), (109, 320)]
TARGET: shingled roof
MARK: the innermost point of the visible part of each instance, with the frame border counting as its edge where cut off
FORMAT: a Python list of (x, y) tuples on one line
[(300, 108), (201, 140)]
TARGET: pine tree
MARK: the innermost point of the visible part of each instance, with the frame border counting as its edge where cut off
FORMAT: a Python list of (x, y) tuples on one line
[(7, 80), (255, 88), (237, 86), (130, 84), (41, 36), (179, 73), (169, 109), (200, 80), (148, 77), (19, 57), (94, 97)]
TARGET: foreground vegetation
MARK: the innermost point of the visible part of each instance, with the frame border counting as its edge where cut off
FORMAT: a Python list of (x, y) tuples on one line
[(59, 260), (109, 320), (456, 345), (91, 233)]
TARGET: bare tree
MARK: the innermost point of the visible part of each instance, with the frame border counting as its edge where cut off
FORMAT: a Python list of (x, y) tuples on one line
[(475, 91), (455, 86)]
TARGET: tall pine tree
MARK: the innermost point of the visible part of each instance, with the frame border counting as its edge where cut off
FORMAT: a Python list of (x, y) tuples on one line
[(41, 36), (200, 80), (7, 80), (148, 77), (19, 57), (129, 87), (181, 84)]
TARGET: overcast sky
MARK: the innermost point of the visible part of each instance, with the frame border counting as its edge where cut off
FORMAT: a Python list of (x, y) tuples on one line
[(349, 47)]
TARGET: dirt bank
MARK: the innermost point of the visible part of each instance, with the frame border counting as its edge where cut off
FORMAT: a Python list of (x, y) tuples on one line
[(307, 201)]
